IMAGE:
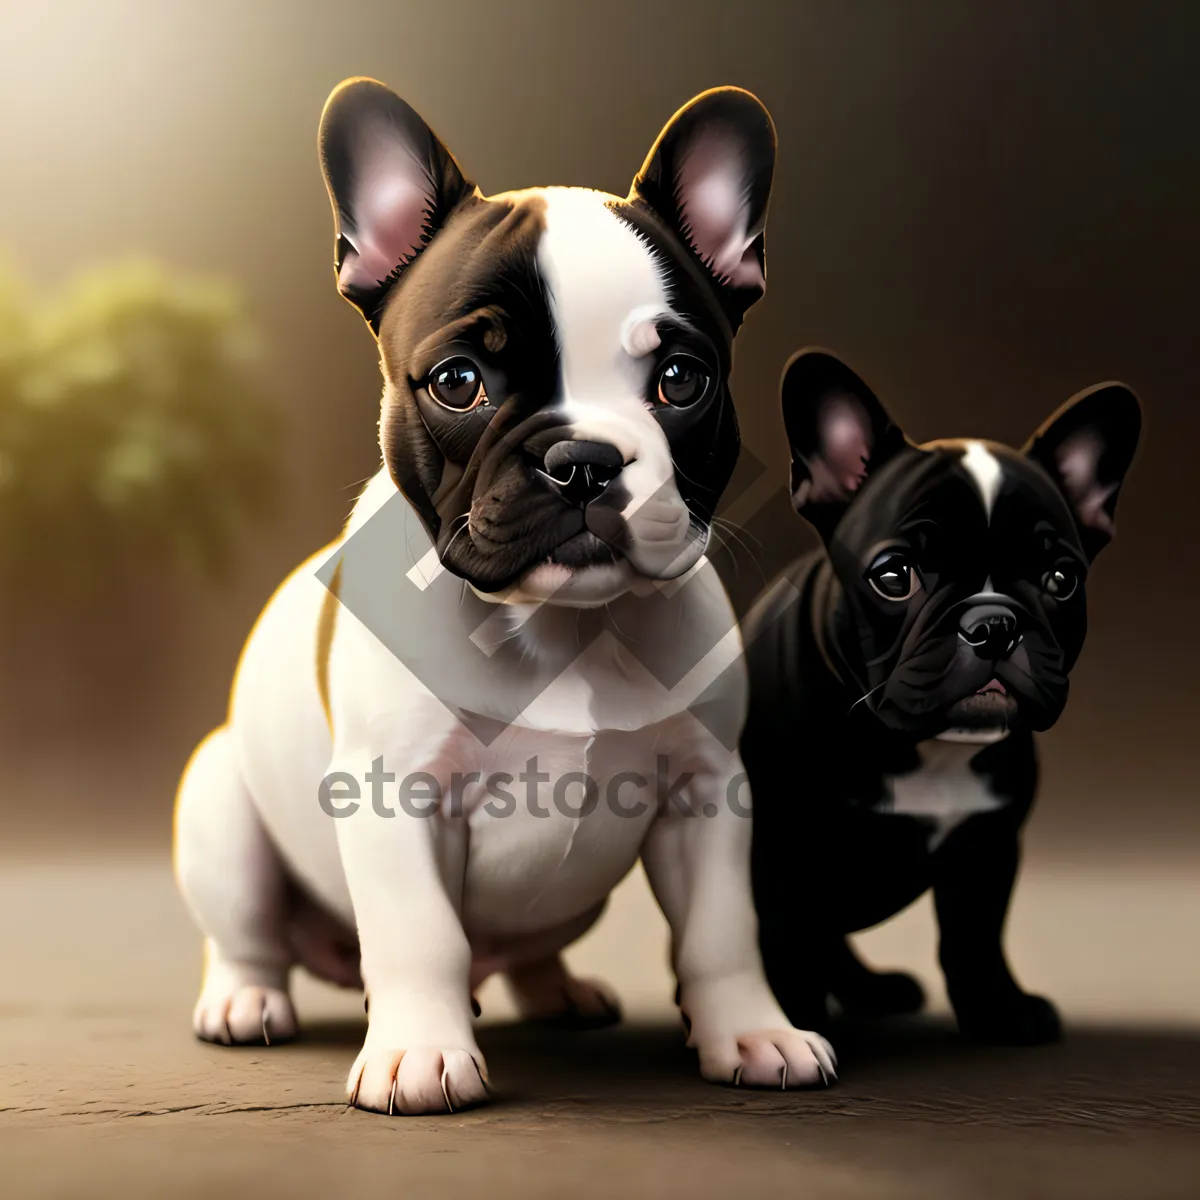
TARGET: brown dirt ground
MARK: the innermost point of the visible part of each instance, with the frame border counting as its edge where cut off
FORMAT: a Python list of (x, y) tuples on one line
[(103, 1092)]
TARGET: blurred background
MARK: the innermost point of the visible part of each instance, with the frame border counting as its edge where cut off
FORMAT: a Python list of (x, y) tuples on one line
[(982, 208)]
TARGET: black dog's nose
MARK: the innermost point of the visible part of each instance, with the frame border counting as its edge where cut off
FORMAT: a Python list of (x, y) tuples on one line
[(580, 471), (990, 629)]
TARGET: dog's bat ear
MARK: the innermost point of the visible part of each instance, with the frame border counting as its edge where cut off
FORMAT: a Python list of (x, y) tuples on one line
[(838, 432), (709, 177), (1087, 447), (392, 184)]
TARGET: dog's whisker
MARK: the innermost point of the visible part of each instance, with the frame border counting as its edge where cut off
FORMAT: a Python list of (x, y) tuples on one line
[(465, 518), (866, 696), (744, 536), (616, 626), (683, 474)]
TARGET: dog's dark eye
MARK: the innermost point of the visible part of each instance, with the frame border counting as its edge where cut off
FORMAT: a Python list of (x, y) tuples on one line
[(457, 384), (683, 381), (894, 577), (1061, 582)]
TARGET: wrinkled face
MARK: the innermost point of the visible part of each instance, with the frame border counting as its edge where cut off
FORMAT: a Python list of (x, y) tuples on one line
[(960, 565), (556, 360), (556, 384), (963, 573)]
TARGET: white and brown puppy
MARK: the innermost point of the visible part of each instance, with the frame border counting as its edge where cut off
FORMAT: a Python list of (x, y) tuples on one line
[(523, 597)]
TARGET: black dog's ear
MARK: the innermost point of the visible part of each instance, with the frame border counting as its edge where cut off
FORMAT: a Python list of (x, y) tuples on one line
[(838, 432), (1086, 447), (391, 183), (709, 177)]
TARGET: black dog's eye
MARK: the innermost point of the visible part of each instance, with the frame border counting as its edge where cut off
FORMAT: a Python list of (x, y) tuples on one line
[(457, 384), (894, 577), (1061, 582), (683, 381)]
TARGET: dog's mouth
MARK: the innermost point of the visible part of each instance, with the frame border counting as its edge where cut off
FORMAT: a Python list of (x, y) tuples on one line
[(581, 571), (991, 709), (585, 549), (992, 706), (939, 683)]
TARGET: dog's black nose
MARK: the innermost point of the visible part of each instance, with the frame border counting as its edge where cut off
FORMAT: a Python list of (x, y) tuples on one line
[(579, 472), (990, 629)]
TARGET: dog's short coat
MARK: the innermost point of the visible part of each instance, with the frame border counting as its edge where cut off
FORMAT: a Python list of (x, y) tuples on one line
[(556, 430), (897, 677)]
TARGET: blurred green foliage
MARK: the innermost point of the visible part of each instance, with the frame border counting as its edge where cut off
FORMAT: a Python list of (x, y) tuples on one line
[(133, 424)]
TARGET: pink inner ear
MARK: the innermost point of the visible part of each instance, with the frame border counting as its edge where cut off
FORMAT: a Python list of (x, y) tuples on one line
[(840, 464), (1079, 466), (389, 205), (714, 201)]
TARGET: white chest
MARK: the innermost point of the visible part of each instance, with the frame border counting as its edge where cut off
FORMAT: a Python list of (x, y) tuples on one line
[(943, 791), (557, 821)]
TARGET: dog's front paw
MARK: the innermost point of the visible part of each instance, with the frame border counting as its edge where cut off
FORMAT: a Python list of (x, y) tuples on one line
[(770, 1058), (420, 1080), (1019, 1019), (244, 1016)]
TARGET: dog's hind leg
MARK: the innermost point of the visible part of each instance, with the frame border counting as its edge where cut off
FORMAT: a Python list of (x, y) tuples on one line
[(863, 992), (234, 883), (546, 992)]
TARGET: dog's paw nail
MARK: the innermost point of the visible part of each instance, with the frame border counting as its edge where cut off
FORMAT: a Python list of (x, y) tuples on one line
[(785, 1059), (245, 1016), (421, 1080), (482, 1077)]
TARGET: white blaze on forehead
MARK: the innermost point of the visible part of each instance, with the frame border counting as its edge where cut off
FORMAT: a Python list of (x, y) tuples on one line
[(607, 289), (606, 286), (984, 468)]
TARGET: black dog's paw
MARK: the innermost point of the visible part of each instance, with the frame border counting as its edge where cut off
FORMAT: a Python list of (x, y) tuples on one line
[(1020, 1020), (881, 994)]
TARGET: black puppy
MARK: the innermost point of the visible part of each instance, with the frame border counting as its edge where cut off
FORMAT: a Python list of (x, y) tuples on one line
[(897, 678)]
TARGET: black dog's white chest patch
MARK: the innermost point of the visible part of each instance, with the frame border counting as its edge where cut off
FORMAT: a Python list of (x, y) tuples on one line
[(943, 791)]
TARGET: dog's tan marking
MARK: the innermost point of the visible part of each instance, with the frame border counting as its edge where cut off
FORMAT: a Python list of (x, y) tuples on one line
[(325, 626)]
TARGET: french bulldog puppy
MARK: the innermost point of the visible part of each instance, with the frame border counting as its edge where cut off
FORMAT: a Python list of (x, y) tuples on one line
[(556, 430), (898, 676)]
